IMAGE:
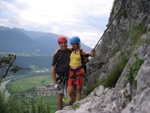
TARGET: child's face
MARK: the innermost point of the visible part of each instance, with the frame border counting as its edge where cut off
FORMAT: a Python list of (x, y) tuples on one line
[(74, 45)]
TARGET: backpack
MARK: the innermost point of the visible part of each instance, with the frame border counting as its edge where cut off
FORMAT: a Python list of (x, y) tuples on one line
[(84, 60)]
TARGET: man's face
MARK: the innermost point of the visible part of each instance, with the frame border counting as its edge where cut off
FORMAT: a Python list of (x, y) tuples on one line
[(63, 45)]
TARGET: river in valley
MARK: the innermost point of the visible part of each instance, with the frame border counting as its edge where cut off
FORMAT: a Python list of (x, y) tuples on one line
[(3, 88)]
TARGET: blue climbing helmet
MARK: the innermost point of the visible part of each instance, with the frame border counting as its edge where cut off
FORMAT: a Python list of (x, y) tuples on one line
[(74, 40)]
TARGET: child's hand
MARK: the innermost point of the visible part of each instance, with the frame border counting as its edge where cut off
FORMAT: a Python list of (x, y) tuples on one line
[(93, 50)]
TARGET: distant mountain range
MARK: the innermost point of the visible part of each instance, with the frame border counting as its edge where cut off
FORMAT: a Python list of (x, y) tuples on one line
[(29, 43), (31, 47)]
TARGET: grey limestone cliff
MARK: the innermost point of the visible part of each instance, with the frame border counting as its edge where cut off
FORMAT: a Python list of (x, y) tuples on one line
[(120, 71)]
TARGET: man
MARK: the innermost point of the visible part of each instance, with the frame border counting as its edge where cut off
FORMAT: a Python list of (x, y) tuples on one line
[(60, 68)]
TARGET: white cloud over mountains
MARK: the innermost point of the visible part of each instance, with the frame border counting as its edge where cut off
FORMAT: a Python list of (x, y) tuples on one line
[(84, 18)]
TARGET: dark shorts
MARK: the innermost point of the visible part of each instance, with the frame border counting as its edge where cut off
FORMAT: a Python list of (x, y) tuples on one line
[(62, 82)]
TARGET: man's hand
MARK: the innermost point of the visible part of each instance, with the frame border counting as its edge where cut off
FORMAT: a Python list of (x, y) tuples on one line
[(57, 87)]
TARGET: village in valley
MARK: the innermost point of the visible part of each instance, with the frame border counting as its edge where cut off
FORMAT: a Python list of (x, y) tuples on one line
[(46, 90)]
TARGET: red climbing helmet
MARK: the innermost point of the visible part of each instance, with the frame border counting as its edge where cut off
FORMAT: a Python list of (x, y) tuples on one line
[(62, 39)]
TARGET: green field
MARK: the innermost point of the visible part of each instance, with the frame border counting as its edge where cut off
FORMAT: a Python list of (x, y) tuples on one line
[(25, 84), (52, 101)]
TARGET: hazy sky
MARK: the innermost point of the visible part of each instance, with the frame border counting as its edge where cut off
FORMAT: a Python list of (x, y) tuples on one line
[(84, 18)]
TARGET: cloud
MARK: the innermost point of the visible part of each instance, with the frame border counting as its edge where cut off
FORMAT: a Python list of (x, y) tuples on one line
[(84, 18)]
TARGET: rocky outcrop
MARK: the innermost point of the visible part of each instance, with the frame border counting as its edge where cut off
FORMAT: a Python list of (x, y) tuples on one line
[(127, 36)]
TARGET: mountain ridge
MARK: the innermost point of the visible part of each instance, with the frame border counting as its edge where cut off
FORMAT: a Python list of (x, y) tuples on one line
[(32, 43)]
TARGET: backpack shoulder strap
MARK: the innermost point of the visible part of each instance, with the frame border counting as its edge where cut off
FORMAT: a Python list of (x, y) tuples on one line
[(57, 52), (57, 56), (82, 59)]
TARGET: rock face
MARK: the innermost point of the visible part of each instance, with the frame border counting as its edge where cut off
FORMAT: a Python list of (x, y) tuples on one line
[(123, 52)]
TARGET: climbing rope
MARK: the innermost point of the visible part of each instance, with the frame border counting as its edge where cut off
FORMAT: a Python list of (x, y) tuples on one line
[(110, 24)]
